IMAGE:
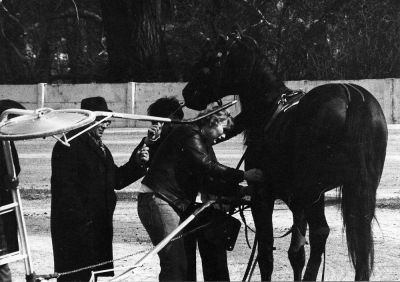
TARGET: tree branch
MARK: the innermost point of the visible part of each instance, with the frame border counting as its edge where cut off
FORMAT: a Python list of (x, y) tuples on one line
[(12, 17), (12, 45), (263, 19), (83, 14), (334, 7)]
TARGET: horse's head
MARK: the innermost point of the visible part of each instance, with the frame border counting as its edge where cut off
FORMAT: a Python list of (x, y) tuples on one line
[(223, 69)]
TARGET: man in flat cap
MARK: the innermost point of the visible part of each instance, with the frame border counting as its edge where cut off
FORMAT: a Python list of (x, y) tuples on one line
[(84, 177)]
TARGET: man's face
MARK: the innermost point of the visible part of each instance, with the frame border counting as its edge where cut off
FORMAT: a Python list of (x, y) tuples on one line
[(98, 130)]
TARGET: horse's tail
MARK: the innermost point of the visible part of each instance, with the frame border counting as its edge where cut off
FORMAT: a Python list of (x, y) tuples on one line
[(359, 190)]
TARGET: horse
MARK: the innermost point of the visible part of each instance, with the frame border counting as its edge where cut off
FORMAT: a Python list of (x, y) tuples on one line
[(333, 136)]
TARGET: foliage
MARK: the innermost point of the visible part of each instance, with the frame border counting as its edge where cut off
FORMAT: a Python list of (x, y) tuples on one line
[(49, 41), (66, 40)]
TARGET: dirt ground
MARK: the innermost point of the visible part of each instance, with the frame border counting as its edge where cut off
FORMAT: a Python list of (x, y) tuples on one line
[(131, 239)]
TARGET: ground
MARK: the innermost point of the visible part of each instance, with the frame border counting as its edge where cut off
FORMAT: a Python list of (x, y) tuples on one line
[(131, 239)]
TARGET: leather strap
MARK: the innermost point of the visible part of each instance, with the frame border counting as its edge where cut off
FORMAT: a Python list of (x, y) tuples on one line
[(285, 102)]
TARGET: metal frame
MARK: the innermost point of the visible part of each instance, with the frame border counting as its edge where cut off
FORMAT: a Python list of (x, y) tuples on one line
[(41, 115), (24, 251)]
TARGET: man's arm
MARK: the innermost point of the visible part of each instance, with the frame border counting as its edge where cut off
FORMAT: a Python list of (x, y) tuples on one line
[(133, 170), (203, 162)]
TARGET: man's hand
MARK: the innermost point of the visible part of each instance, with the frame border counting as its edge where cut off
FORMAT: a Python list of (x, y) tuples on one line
[(142, 155), (10, 184), (153, 133)]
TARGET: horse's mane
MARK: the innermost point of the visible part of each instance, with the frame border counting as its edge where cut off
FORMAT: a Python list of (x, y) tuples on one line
[(264, 87), (266, 67)]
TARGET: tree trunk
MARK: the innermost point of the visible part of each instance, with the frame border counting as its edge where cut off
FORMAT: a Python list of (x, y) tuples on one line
[(148, 57), (117, 27), (135, 41)]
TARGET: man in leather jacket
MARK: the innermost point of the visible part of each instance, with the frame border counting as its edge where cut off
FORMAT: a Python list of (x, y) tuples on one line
[(184, 165)]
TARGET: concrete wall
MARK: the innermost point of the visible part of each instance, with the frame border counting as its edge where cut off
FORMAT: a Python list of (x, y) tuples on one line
[(386, 91), (136, 97)]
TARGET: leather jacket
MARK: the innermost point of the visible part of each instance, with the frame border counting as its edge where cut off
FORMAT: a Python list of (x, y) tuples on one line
[(184, 165)]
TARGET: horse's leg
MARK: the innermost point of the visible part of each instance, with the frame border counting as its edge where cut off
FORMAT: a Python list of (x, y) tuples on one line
[(296, 251), (262, 208), (318, 234)]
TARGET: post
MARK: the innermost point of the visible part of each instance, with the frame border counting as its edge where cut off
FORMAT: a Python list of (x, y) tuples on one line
[(130, 102), (394, 114), (41, 94)]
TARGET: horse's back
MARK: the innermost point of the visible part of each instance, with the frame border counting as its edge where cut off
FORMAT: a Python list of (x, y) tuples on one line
[(325, 110), (332, 123), (321, 114)]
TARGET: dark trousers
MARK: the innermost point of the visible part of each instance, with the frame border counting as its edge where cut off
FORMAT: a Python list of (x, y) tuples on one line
[(213, 257), (160, 219)]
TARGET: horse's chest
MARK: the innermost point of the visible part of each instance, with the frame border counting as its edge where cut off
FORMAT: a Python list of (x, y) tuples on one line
[(272, 150)]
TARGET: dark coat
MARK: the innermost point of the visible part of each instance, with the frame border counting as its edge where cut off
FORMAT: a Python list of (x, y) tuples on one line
[(185, 165), (83, 202), (8, 221)]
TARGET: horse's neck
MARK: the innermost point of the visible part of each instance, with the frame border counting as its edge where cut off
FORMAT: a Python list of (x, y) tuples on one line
[(262, 95), (260, 108), (255, 113), (259, 98), (264, 84)]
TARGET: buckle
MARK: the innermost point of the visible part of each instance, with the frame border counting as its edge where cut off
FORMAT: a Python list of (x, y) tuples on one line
[(283, 99)]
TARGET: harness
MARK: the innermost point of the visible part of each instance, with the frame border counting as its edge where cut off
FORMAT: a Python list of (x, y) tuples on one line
[(286, 101), (346, 85)]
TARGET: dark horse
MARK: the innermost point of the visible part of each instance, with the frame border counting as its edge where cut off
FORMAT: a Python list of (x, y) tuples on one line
[(335, 137)]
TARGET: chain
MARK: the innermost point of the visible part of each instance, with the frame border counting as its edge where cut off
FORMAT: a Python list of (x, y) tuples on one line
[(57, 275), (94, 265)]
